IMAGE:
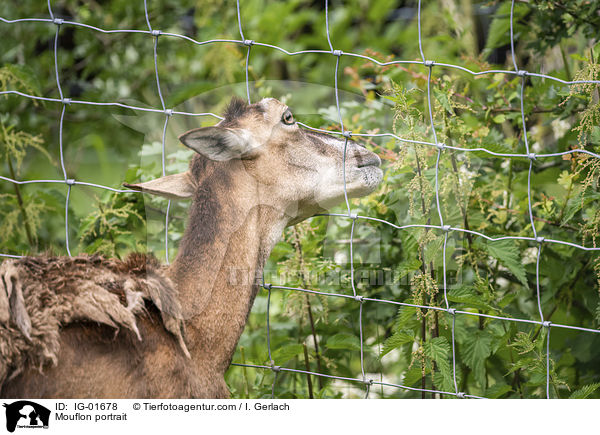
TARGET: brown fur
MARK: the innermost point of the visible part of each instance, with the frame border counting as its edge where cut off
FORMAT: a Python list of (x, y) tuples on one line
[(60, 292)]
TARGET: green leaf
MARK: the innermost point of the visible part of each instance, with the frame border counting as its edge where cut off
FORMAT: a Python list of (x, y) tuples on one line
[(499, 33), (506, 300), (413, 375), (494, 147), (496, 391), (476, 349), (438, 349), (343, 341), (576, 203), (584, 391), (508, 254), (443, 99), (398, 339), (407, 267), (523, 343), (523, 363), (469, 297), (407, 317), (499, 119), (285, 353)]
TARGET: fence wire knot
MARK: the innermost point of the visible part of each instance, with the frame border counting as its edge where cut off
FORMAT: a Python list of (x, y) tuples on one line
[(66, 101), (248, 42), (353, 216), (451, 311), (546, 323), (274, 367), (337, 53), (531, 156), (266, 286), (156, 33), (359, 298), (540, 239), (70, 181), (347, 134), (460, 395), (446, 228), (58, 21), (429, 63), (522, 73), (169, 112)]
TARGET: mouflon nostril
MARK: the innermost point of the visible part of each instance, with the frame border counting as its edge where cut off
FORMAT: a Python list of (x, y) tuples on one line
[(367, 158)]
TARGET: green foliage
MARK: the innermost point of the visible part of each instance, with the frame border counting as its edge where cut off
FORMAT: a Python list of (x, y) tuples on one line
[(343, 341), (399, 338), (508, 255), (438, 351), (14, 77), (476, 349), (110, 230), (584, 392)]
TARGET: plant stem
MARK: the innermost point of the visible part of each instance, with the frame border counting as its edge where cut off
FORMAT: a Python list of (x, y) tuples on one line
[(245, 374), (308, 380), (315, 340), (423, 338), (424, 269), (435, 332), (30, 239), (298, 246), (462, 207), (517, 378)]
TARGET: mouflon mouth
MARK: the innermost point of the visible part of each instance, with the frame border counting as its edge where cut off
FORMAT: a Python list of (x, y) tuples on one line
[(370, 175), (369, 160)]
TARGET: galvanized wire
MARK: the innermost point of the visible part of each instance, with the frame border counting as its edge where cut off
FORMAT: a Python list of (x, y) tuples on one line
[(444, 229)]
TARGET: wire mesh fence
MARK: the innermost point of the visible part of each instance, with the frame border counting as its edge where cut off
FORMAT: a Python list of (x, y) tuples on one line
[(536, 240)]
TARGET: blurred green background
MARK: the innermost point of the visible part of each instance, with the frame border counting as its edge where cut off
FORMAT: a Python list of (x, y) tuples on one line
[(111, 145)]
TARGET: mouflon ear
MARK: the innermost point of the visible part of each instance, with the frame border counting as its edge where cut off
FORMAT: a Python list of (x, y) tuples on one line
[(220, 143), (178, 186)]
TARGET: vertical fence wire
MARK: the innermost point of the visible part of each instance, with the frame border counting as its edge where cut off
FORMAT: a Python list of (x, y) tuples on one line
[(156, 34)]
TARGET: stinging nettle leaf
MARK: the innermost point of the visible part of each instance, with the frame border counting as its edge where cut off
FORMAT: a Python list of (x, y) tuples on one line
[(285, 353), (498, 390), (469, 297), (476, 349), (398, 339), (343, 341), (438, 349), (499, 33), (585, 391), (508, 254)]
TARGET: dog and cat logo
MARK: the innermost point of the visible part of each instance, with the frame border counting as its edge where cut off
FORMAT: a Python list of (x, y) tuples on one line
[(26, 414)]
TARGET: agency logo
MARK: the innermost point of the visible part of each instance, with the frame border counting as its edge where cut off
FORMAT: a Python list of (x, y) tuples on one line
[(26, 414)]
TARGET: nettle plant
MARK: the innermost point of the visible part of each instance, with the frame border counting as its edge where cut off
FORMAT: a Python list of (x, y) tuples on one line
[(478, 192)]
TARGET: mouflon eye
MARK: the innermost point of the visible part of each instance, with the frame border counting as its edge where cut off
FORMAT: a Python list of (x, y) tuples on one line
[(287, 118)]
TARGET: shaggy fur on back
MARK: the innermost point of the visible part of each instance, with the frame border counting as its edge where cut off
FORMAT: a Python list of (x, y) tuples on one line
[(40, 295)]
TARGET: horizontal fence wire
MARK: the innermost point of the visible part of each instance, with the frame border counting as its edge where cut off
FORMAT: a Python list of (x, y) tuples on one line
[(535, 239)]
